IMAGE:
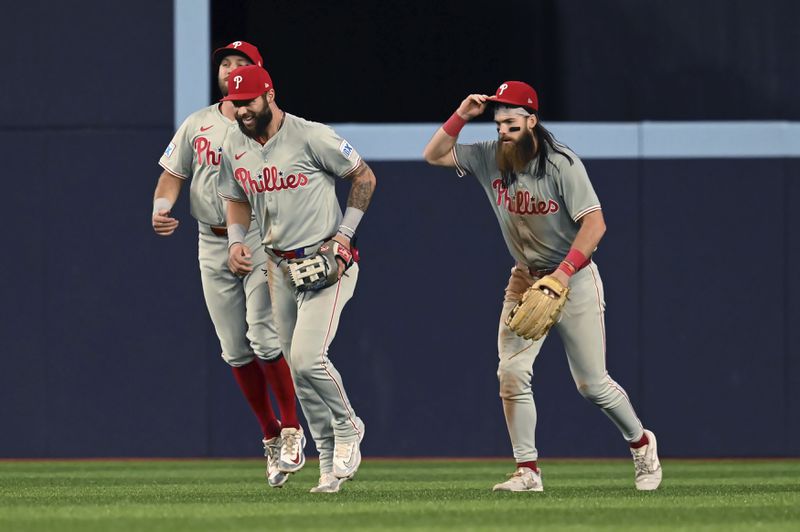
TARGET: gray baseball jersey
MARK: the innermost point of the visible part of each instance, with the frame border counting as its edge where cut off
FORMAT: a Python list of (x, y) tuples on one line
[(290, 185), (538, 216), (539, 219), (239, 307), (290, 181), (195, 152)]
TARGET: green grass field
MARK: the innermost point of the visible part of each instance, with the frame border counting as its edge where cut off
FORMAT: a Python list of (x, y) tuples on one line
[(396, 495)]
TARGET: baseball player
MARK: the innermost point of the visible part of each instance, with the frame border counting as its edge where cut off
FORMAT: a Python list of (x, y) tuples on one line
[(283, 169), (551, 221), (239, 305)]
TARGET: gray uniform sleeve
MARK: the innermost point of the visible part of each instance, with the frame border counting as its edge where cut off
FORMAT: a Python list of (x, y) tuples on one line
[(576, 189), (177, 158), (227, 187), (471, 158), (331, 152)]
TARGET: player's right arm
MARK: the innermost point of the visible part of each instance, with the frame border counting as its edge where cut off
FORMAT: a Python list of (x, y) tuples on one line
[(237, 216), (165, 196), (438, 152), (238, 220), (177, 164)]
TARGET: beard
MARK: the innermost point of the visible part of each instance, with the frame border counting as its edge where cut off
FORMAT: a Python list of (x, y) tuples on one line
[(513, 158), (259, 127), (223, 86)]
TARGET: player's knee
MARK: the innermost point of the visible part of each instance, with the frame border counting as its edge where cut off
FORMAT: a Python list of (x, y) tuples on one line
[(304, 363), (238, 359), (597, 392), (513, 382), (268, 354)]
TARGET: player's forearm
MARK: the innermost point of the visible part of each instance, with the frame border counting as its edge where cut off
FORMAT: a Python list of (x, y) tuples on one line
[(362, 187), (168, 187), (439, 147), (593, 227), (238, 213)]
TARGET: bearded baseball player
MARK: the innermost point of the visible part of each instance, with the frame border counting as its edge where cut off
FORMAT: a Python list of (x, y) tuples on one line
[(551, 221), (283, 169), (239, 305)]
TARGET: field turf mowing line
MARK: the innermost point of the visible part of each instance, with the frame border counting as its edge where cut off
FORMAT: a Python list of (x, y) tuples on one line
[(222, 495)]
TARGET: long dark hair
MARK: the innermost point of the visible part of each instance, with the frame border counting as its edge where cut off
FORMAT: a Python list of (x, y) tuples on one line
[(546, 143)]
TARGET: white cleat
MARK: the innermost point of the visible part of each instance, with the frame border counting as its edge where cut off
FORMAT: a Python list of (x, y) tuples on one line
[(646, 464), (292, 458), (272, 450), (523, 479), (347, 455), (328, 483)]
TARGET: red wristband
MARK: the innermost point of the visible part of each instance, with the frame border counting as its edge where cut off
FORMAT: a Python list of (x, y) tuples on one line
[(577, 258), (567, 267), (454, 125)]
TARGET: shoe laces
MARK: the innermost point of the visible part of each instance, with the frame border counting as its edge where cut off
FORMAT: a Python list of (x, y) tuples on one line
[(640, 462), (272, 446), (326, 478), (292, 441), (344, 450), (518, 473)]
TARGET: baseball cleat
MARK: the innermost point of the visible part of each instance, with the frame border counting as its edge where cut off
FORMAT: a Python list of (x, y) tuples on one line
[(292, 458), (272, 450), (347, 455), (328, 483), (523, 479), (646, 464)]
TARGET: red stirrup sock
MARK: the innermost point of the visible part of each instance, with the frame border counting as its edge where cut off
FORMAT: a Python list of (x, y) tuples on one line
[(279, 378), (254, 387), (530, 465)]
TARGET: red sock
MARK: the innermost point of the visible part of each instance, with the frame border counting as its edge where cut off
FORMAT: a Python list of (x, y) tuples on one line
[(279, 378), (254, 388), (641, 443), (531, 465)]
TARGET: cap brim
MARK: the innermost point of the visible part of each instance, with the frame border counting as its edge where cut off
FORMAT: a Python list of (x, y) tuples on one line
[(243, 97)]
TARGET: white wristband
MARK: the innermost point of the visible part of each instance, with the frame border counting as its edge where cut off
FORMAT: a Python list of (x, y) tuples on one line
[(236, 234), (161, 204), (352, 217)]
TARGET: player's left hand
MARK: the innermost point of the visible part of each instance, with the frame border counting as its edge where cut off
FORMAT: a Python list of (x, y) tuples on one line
[(345, 241), (562, 277)]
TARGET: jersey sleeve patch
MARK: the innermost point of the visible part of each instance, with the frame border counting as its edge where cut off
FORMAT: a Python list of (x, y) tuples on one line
[(169, 150), (346, 149)]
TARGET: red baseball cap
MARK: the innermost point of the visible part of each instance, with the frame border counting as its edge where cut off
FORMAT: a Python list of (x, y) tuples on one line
[(238, 48), (248, 82), (518, 94)]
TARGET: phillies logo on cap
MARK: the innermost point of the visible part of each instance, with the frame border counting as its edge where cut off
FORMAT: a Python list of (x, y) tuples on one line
[(247, 83), (242, 48), (517, 94)]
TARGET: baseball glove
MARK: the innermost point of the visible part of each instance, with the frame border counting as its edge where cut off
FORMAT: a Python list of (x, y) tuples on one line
[(320, 270), (539, 308)]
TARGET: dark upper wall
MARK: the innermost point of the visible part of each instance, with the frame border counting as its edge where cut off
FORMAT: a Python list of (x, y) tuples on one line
[(617, 60), (87, 64)]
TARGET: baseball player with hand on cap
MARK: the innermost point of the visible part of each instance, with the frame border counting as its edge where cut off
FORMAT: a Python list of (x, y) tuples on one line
[(551, 221), (239, 305), (283, 169)]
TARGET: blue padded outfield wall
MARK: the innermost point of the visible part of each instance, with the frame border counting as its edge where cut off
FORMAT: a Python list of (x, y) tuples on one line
[(108, 349)]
